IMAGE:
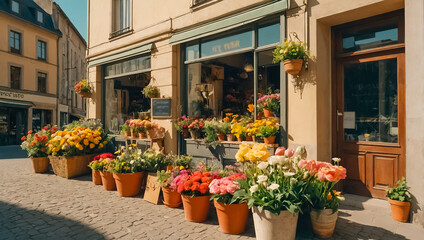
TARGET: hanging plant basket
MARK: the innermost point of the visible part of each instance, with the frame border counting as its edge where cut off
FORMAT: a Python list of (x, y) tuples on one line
[(85, 94), (293, 66)]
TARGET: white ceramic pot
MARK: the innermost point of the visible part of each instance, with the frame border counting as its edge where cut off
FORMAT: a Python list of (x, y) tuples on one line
[(269, 226)]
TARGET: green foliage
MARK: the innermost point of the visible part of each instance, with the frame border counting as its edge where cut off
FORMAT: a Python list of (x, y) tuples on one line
[(163, 178), (226, 127), (151, 91), (211, 128), (400, 192), (268, 131), (290, 50), (125, 128), (154, 161), (184, 161)]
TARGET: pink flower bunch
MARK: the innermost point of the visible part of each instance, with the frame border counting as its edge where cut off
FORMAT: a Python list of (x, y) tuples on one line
[(331, 173), (312, 166), (282, 151), (265, 98), (227, 184), (184, 176)]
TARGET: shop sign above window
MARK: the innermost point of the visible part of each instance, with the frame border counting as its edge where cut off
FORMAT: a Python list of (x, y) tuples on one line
[(131, 66), (227, 44)]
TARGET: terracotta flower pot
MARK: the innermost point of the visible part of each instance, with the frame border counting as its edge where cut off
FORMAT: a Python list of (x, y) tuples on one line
[(171, 198), (400, 210), (142, 135), (230, 137), (186, 134), (293, 66), (97, 179), (249, 138), (134, 134), (128, 133), (268, 113), (40, 164), (324, 222), (196, 208), (85, 94), (269, 226), (128, 184), (221, 136), (269, 140), (240, 139), (108, 181), (232, 218)]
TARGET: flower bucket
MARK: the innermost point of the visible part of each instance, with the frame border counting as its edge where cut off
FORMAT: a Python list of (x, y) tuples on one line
[(269, 140), (186, 134), (232, 218), (128, 184), (269, 226), (293, 66), (40, 164), (400, 210), (268, 113), (230, 137), (68, 167), (324, 222), (108, 181), (97, 179), (142, 135), (171, 198), (221, 136), (196, 208), (85, 94)]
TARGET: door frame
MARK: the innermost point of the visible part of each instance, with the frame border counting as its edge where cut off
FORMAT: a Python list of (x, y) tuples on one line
[(380, 53)]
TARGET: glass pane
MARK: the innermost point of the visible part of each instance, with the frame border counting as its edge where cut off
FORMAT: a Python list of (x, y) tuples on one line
[(36, 120), (370, 38), (15, 6), (192, 52), (128, 66), (227, 44), (371, 101), (269, 35), (268, 82), (219, 86), (124, 100)]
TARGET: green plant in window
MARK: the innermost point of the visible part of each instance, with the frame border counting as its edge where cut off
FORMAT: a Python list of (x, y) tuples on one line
[(151, 91), (400, 192)]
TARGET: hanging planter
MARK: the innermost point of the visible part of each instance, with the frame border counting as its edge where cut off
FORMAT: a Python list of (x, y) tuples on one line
[(85, 94), (292, 53), (83, 88)]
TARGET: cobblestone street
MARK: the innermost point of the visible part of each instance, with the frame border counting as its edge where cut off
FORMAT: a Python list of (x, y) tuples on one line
[(44, 206)]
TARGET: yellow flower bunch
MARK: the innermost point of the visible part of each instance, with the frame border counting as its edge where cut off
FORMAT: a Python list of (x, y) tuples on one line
[(76, 141), (238, 129), (252, 153)]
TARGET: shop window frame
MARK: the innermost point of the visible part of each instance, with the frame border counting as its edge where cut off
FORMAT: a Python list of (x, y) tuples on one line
[(14, 49)]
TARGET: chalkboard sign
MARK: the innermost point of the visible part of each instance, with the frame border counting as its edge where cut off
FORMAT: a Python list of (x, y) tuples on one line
[(161, 107)]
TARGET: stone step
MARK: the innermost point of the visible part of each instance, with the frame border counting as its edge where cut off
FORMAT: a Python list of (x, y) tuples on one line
[(357, 202)]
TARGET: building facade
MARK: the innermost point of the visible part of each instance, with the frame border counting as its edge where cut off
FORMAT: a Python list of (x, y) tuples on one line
[(28, 69), (357, 97)]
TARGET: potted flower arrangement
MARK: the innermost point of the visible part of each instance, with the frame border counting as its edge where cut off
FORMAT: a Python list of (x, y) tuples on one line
[(400, 200), (108, 181), (83, 88), (181, 124), (171, 198), (231, 210), (226, 129), (151, 91), (269, 105), (127, 171), (274, 189), (239, 130), (126, 129), (72, 149), (325, 201), (196, 128), (138, 128), (212, 131), (268, 130), (292, 54), (194, 190), (36, 146), (97, 166)]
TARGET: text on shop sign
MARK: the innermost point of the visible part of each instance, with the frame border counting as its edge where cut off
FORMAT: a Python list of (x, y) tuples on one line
[(11, 94)]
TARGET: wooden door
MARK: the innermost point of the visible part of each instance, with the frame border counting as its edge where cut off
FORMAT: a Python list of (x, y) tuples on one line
[(369, 111)]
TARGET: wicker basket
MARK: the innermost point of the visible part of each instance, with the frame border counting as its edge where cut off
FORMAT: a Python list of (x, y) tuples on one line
[(68, 167)]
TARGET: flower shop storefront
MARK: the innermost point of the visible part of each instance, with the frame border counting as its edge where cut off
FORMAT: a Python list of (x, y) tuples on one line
[(226, 76)]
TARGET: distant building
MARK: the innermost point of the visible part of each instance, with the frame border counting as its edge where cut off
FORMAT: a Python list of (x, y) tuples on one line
[(28, 69)]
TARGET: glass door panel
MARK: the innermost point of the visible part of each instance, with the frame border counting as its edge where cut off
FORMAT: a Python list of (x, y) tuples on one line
[(371, 101)]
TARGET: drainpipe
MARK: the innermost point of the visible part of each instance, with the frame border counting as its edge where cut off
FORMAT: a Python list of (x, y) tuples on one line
[(87, 52), (57, 75), (306, 28)]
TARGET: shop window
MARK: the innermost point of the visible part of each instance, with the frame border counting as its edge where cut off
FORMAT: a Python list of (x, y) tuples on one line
[(40, 17), (269, 34), (131, 66), (121, 17), (40, 118), (15, 6), (42, 82), (15, 77), (41, 50), (123, 99), (227, 44), (192, 52), (15, 42)]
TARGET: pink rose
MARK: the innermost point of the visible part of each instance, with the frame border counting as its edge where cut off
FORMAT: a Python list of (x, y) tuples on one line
[(280, 151)]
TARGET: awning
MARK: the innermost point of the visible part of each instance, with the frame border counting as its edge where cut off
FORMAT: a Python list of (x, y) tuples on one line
[(229, 22), (15, 103), (122, 55)]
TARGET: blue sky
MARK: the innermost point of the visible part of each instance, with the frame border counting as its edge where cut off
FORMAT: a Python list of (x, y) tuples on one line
[(76, 10)]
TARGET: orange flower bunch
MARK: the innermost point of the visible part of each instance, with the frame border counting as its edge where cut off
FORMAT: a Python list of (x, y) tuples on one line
[(36, 143), (196, 184)]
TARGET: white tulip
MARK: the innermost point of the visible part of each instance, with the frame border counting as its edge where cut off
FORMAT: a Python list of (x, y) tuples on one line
[(263, 165), (336, 159), (275, 160), (273, 187), (289, 174), (253, 188), (262, 179)]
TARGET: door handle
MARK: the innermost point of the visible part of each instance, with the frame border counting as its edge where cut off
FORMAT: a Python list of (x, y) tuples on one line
[(339, 114)]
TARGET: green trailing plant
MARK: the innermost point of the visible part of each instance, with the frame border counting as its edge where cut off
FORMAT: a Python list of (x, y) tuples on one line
[(400, 192), (151, 91)]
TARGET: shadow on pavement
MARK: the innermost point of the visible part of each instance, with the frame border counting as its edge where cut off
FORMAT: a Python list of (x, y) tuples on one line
[(20, 223), (11, 152)]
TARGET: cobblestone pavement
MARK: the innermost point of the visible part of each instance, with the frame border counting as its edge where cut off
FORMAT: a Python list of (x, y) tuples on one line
[(44, 206)]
